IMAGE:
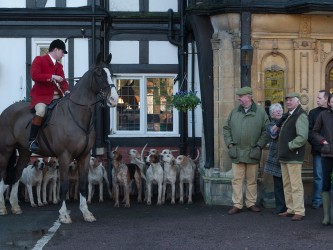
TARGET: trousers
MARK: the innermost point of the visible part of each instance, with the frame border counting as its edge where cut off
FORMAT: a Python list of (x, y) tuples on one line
[(244, 174), (293, 188)]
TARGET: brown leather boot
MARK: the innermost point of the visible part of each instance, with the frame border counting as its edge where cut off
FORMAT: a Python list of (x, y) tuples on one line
[(35, 126)]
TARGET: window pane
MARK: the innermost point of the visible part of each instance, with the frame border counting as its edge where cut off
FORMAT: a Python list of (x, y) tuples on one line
[(159, 106), (128, 109), (273, 87)]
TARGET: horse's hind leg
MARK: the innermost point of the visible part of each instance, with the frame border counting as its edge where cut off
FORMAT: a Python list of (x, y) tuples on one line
[(23, 160), (3, 187)]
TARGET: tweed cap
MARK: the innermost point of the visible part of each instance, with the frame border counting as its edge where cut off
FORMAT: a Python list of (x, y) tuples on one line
[(244, 91), (293, 94)]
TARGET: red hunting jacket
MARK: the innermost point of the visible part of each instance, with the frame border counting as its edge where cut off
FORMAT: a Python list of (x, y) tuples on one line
[(42, 69)]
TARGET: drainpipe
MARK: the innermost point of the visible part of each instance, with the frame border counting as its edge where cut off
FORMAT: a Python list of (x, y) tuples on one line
[(192, 86), (245, 40), (181, 44), (93, 36)]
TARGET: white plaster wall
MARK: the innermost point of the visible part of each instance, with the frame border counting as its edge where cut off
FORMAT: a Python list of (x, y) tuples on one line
[(12, 3), (162, 52), (124, 5), (163, 5), (50, 3), (81, 60), (12, 71), (76, 3), (124, 52)]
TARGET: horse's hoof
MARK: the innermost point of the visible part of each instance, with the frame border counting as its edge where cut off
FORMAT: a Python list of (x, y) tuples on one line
[(3, 211), (40, 204), (45, 203), (127, 206), (65, 219), (33, 205), (101, 200), (89, 218), (17, 210)]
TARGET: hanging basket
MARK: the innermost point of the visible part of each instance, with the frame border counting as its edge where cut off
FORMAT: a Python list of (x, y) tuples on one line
[(184, 101)]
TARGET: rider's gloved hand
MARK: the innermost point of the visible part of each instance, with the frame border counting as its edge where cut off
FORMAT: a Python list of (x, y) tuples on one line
[(57, 78)]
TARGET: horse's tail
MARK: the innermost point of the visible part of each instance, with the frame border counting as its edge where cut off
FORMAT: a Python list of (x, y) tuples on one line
[(11, 169)]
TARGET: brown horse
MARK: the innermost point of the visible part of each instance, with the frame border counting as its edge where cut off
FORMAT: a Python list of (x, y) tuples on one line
[(68, 135)]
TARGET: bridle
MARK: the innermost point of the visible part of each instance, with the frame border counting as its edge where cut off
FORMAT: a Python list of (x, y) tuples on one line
[(102, 94)]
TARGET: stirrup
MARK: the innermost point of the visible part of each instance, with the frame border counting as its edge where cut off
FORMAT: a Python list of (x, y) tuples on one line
[(33, 146)]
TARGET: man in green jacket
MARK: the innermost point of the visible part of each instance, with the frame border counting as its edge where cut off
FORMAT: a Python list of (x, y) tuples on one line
[(291, 151), (245, 135)]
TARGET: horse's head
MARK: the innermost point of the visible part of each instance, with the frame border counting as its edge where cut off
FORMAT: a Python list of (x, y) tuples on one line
[(107, 89)]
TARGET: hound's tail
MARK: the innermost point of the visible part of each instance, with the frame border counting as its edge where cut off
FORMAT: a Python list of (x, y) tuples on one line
[(11, 170)]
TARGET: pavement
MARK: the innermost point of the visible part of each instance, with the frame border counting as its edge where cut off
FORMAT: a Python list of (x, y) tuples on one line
[(189, 226)]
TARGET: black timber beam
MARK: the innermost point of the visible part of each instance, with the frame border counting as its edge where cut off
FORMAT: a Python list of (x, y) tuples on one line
[(213, 7)]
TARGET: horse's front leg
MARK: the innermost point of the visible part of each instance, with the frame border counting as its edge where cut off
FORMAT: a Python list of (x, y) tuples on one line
[(63, 212), (3, 188), (83, 163)]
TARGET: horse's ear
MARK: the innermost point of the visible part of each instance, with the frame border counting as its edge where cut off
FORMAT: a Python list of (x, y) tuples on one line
[(99, 58), (108, 60)]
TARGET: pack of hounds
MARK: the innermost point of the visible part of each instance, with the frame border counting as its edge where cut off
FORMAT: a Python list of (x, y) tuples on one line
[(159, 174)]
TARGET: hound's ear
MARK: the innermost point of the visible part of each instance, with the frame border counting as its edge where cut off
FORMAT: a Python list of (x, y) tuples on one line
[(155, 158), (35, 164), (119, 157), (185, 160)]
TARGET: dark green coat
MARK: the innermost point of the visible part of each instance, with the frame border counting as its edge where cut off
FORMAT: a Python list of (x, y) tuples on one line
[(246, 131)]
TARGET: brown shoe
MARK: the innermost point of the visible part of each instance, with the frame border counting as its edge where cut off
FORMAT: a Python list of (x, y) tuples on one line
[(297, 217), (234, 210), (254, 208), (286, 214)]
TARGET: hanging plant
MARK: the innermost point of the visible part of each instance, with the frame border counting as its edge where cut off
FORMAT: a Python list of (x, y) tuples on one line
[(184, 101)]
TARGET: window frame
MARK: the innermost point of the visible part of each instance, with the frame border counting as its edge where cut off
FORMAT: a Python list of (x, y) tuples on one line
[(142, 132)]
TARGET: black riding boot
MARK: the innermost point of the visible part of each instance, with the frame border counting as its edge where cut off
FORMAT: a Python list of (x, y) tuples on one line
[(35, 126)]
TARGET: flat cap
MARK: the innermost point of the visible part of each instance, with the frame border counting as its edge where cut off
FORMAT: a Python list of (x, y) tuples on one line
[(293, 94), (244, 91)]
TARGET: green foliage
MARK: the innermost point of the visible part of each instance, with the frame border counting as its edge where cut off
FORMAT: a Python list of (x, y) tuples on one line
[(184, 101)]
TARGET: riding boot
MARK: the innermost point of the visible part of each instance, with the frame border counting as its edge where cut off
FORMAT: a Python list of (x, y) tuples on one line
[(326, 207), (35, 126)]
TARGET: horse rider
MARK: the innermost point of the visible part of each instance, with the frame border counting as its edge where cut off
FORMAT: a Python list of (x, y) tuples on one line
[(50, 84)]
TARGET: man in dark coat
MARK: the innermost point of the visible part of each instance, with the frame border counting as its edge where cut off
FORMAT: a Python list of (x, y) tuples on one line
[(322, 98), (291, 151)]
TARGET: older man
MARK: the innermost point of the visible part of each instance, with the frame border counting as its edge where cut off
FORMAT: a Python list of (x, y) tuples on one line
[(245, 135), (291, 148)]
